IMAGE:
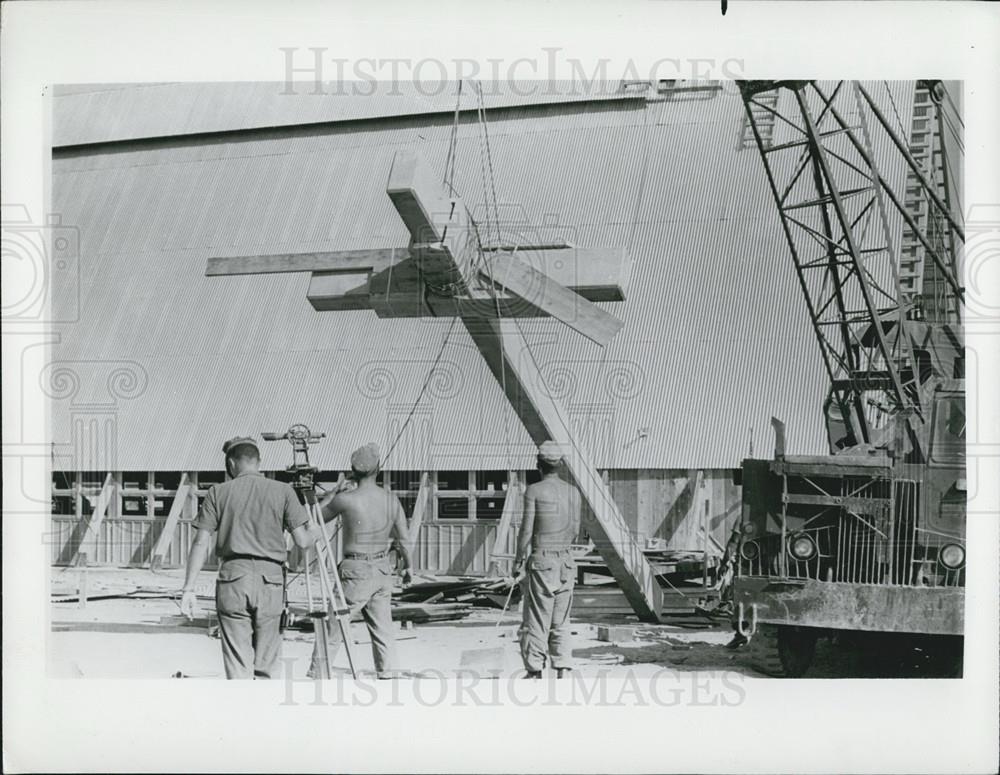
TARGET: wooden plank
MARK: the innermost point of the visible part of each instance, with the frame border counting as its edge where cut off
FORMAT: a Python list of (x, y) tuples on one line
[(419, 509), (167, 535), (511, 507), (374, 260), (595, 601), (93, 533), (694, 512), (539, 290), (504, 348)]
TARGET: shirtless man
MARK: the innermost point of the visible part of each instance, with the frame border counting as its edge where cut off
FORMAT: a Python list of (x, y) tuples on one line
[(371, 518), (550, 525)]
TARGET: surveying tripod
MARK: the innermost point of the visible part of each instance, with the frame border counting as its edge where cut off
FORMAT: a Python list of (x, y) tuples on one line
[(333, 603)]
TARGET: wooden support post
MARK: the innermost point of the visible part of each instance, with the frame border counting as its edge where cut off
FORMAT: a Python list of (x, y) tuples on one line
[(81, 590), (420, 508), (505, 350), (92, 535), (706, 526), (167, 534), (511, 507)]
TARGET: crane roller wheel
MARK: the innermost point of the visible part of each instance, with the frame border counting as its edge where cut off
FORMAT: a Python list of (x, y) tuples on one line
[(782, 651)]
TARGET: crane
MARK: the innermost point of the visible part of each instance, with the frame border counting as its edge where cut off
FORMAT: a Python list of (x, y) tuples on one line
[(870, 538), (841, 217)]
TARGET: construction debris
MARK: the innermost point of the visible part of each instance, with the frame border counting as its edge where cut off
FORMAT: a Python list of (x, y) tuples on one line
[(489, 592), (615, 634), (671, 566)]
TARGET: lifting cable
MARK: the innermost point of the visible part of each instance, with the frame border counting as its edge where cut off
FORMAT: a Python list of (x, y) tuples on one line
[(449, 181), (484, 147), (420, 395), (527, 345)]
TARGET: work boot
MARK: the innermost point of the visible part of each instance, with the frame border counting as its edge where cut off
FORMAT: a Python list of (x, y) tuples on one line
[(737, 641), (563, 672), (533, 674)]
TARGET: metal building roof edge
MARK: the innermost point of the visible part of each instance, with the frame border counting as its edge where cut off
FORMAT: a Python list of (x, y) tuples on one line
[(62, 141)]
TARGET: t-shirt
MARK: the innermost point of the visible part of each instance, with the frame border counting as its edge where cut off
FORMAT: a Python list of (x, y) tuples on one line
[(250, 513)]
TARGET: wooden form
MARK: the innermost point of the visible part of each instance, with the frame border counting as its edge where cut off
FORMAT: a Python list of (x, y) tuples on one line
[(512, 508), (447, 274), (420, 508), (184, 491), (93, 532)]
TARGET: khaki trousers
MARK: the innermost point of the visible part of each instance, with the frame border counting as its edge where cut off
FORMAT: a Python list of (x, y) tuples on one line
[(548, 597), (249, 598), (368, 589)]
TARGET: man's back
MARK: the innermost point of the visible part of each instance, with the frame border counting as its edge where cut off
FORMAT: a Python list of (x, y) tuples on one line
[(250, 514), (367, 516), (557, 513)]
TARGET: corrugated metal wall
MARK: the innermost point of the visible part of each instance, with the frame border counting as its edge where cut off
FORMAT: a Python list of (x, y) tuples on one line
[(716, 337), (100, 113)]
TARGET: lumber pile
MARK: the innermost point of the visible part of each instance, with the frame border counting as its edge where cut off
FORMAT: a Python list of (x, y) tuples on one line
[(139, 593), (417, 613), (427, 613), (670, 566), (490, 593)]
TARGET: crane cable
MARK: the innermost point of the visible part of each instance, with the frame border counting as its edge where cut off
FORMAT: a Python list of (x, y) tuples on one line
[(602, 489), (449, 181), (484, 145)]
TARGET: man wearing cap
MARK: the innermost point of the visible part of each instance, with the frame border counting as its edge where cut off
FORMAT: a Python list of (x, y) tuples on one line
[(550, 524), (371, 519), (249, 514)]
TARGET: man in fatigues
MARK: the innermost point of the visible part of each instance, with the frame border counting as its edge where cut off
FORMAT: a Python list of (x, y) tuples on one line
[(371, 518), (249, 513), (550, 524)]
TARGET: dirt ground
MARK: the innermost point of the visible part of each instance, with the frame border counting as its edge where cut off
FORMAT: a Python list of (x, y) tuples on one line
[(148, 638)]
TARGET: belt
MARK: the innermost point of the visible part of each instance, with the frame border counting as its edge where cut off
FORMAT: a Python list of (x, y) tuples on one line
[(363, 556), (552, 551), (229, 557)]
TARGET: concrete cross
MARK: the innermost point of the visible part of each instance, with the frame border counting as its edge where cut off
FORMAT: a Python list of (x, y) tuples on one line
[(447, 271)]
